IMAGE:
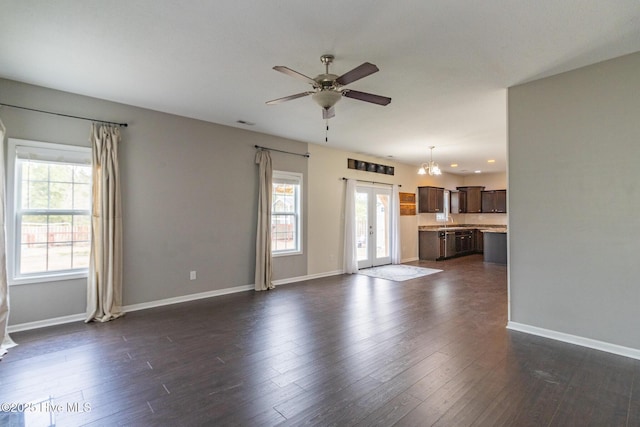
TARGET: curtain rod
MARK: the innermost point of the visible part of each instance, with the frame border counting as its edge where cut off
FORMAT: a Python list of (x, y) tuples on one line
[(307, 155), (65, 115), (372, 182)]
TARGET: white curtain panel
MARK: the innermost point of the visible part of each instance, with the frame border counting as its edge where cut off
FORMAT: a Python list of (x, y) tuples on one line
[(5, 340), (104, 293), (350, 249), (396, 248), (263, 235)]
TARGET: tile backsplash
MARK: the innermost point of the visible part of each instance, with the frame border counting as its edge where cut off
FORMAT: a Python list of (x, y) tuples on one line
[(486, 218)]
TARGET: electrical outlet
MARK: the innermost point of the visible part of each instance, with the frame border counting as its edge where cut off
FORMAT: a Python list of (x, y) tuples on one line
[(192, 275)]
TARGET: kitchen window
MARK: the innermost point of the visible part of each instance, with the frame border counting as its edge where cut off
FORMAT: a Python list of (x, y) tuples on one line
[(286, 215), (49, 206), (446, 209)]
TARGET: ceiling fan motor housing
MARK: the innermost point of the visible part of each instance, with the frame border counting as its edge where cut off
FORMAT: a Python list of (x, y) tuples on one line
[(327, 94), (326, 81)]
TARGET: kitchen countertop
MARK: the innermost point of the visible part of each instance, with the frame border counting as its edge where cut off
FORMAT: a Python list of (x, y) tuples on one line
[(457, 227), (494, 230)]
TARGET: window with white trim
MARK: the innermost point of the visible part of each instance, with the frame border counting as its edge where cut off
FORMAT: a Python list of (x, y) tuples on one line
[(286, 214), (49, 211)]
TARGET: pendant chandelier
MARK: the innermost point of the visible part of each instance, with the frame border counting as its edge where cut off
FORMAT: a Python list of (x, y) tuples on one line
[(430, 168)]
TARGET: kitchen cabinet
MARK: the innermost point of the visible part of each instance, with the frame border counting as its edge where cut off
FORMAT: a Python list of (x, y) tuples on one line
[(478, 241), (470, 199), (494, 201), (495, 248), (429, 245), (464, 242), (442, 243), (437, 245), (430, 199)]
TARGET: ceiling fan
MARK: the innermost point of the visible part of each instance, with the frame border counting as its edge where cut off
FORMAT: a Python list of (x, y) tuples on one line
[(328, 88)]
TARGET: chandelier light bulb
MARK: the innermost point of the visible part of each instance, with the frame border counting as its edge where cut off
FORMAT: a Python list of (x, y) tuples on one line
[(430, 168)]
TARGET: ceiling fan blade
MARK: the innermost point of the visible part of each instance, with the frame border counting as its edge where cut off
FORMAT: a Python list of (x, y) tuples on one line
[(357, 73), (327, 113), (288, 98), (367, 97), (292, 73)]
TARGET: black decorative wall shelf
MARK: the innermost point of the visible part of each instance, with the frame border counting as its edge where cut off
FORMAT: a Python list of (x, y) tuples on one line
[(369, 167)]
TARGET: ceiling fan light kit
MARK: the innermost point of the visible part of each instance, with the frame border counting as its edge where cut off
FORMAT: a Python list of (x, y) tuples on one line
[(328, 88), (326, 98)]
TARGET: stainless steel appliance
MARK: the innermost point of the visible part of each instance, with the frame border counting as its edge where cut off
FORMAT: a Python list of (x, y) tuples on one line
[(447, 244), (455, 242)]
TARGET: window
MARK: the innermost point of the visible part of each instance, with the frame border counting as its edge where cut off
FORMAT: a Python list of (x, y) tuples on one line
[(50, 208), (286, 213), (444, 215)]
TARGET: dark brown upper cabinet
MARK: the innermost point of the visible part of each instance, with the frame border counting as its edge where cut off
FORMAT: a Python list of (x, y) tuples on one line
[(494, 201), (430, 199), (470, 199)]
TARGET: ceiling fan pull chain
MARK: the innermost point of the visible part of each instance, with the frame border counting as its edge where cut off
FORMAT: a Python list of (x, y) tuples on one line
[(326, 133)]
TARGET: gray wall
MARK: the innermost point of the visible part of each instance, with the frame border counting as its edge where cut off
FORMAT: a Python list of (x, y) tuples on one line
[(574, 201), (189, 197)]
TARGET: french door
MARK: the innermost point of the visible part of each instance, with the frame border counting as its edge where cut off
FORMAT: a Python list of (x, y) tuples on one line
[(373, 226)]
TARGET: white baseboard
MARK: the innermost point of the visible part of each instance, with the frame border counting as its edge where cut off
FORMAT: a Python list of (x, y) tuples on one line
[(186, 298), (577, 340), (128, 308), (409, 260), (307, 277), (159, 303), (46, 322)]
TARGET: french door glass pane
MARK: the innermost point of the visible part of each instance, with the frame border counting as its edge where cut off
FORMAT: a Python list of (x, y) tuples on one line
[(382, 229), (362, 225)]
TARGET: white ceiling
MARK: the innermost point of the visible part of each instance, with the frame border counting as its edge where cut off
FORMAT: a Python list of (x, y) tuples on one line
[(445, 63)]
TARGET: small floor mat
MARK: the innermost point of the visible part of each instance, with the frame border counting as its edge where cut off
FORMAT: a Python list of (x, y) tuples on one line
[(398, 272)]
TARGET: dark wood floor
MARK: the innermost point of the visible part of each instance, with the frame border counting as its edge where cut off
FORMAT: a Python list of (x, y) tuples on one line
[(344, 350)]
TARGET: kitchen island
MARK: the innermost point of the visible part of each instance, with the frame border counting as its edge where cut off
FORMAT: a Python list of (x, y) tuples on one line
[(495, 245)]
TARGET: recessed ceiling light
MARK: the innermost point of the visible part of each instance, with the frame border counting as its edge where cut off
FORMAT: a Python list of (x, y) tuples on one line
[(454, 165), (491, 161), (477, 171)]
